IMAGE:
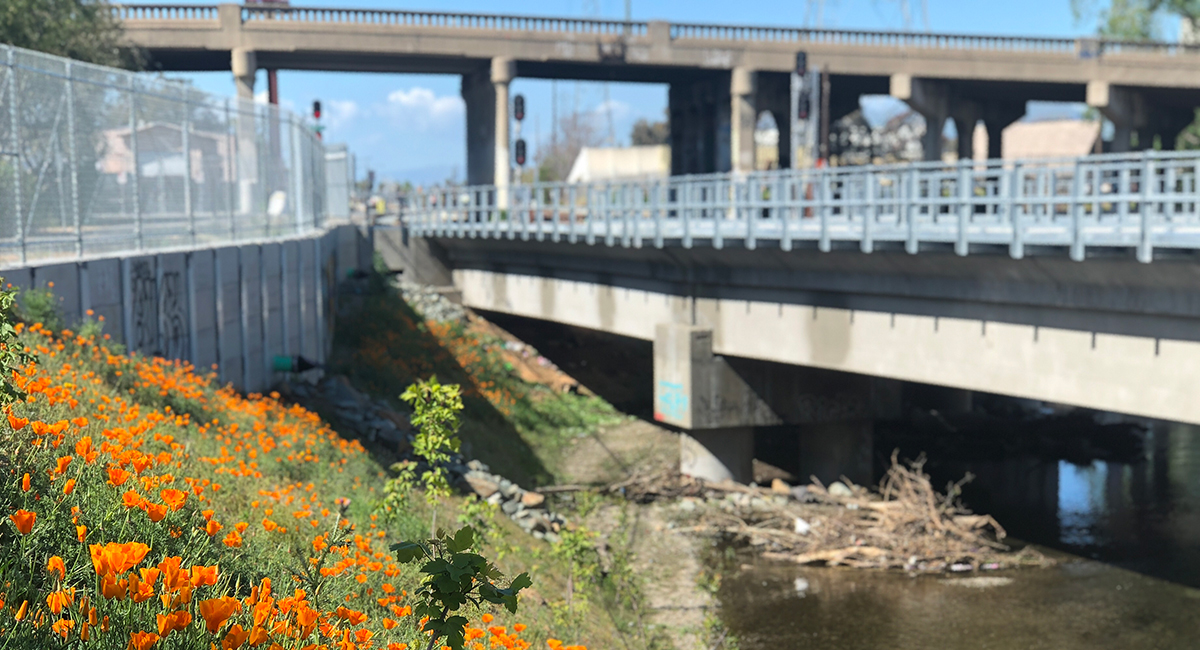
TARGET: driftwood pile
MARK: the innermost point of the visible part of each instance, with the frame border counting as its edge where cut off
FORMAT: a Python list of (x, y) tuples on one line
[(905, 524)]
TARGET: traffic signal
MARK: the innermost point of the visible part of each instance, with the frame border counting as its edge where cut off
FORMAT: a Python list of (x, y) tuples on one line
[(519, 107), (801, 63), (316, 109), (521, 152)]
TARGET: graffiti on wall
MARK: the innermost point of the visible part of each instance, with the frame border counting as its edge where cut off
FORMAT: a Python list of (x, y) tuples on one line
[(158, 312), (143, 288)]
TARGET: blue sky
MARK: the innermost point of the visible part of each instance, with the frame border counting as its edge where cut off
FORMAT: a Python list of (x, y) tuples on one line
[(411, 126)]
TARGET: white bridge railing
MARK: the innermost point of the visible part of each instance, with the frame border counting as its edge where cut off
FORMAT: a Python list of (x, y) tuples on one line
[(1142, 201)]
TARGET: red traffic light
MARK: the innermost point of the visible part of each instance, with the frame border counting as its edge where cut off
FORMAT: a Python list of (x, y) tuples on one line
[(316, 110), (519, 107), (520, 152)]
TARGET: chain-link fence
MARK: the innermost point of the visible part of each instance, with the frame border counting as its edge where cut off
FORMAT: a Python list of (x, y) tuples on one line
[(97, 161)]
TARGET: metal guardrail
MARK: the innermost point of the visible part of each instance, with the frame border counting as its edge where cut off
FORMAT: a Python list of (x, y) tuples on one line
[(100, 161), (1085, 47), (1142, 201)]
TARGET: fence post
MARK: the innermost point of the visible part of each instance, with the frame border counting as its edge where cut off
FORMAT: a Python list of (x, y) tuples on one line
[(15, 127), (912, 210), (232, 181), (188, 208), (1145, 249), (137, 171), (74, 158)]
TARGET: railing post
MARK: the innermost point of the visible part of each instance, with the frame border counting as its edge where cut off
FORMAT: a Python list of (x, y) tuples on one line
[(684, 190), (787, 207), (961, 246), (589, 233), (1016, 249), (912, 211), (753, 192), (137, 170), (823, 243), (15, 137), (1076, 205), (867, 244), (658, 209), (572, 214), (1145, 249), (608, 203), (74, 160)]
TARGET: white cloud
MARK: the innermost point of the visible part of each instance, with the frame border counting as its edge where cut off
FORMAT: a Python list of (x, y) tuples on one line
[(620, 110), (422, 108), (341, 111), (260, 97)]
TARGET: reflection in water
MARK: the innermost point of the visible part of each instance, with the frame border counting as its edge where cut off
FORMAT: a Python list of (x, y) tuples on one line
[(1138, 515), (1078, 605)]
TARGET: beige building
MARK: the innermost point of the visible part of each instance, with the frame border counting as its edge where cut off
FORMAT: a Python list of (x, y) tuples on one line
[(612, 163), (1043, 139)]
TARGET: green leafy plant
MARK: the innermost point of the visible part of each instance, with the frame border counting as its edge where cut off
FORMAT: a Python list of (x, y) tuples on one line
[(39, 306), (436, 409), (12, 353), (576, 548), (454, 578)]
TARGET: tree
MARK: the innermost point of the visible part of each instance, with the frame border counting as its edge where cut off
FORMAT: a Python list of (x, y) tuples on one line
[(85, 30), (575, 131), (646, 132), (1133, 20)]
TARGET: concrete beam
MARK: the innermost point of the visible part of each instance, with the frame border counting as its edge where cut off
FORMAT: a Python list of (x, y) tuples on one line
[(1136, 375)]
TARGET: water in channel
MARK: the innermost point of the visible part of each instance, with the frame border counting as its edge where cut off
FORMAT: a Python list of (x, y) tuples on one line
[(1122, 519)]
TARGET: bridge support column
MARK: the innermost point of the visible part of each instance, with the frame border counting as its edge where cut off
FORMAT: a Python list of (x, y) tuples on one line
[(997, 116), (699, 110), (503, 71), (1132, 112), (718, 454), (930, 98), (479, 94), (743, 118), (244, 64), (966, 114)]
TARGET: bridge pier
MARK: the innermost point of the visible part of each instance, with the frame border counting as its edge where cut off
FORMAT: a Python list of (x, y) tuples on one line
[(479, 94), (721, 403), (503, 72), (1132, 112), (244, 64), (700, 121), (744, 117), (938, 100)]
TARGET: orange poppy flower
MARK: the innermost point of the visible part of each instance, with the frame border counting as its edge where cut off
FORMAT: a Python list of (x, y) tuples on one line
[(519, 627), (63, 627), (143, 640), (486, 618), (258, 636), (56, 565), (156, 511), (62, 464), (22, 610), (212, 527), (232, 539), (57, 600), (173, 622), (113, 588), (204, 575), (23, 519), (80, 533), (117, 476), (69, 486), (17, 423), (234, 638), (25, 483), (131, 499), (117, 558), (173, 498), (216, 611), (351, 616), (388, 624)]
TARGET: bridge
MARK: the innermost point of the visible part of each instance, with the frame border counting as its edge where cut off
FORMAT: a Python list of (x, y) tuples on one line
[(721, 77), (806, 297)]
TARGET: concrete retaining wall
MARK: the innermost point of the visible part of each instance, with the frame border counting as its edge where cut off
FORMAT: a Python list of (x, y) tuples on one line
[(230, 309)]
